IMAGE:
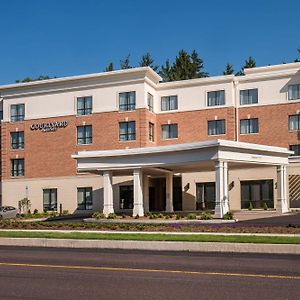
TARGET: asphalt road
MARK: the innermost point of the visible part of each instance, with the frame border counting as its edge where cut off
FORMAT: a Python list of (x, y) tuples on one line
[(34, 273)]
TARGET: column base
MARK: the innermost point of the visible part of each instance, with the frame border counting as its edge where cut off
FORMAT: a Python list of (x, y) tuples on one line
[(138, 211), (108, 210)]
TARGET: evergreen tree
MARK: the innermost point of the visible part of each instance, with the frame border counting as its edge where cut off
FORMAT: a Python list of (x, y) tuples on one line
[(110, 67), (249, 63), (229, 70), (125, 63), (197, 66), (148, 61), (297, 59), (29, 79), (166, 72)]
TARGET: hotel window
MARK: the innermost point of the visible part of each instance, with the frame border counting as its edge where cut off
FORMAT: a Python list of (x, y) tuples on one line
[(17, 112), (169, 103), (216, 127), (150, 101), (294, 92), (85, 198), (17, 167), (249, 126), (1, 115), (17, 140), (84, 106), (151, 132), (126, 197), (127, 131), (50, 199), (296, 149), (249, 96), (216, 98), (84, 135), (169, 131), (127, 101), (294, 122)]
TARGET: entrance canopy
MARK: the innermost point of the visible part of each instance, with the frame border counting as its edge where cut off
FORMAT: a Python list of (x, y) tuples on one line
[(218, 155)]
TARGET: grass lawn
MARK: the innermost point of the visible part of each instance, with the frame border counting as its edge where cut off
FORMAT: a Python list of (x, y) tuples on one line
[(153, 237)]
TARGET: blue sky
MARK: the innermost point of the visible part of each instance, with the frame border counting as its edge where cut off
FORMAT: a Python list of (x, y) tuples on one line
[(73, 37)]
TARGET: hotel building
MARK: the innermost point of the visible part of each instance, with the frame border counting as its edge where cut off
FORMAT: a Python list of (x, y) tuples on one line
[(124, 141)]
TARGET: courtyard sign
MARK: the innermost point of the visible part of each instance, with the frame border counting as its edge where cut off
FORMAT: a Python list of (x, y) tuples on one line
[(51, 126)]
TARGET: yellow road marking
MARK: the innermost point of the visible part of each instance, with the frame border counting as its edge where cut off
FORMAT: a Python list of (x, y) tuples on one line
[(268, 276)]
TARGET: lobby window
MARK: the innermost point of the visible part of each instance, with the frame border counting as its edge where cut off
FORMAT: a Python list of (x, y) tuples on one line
[(294, 92), (296, 149), (127, 131), (127, 101), (126, 197), (17, 140), (17, 112), (85, 198), (249, 96), (150, 101), (216, 98), (84, 106), (294, 122), (169, 103), (248, 126), (50, 199), (151, 132), (169, 131), (17, 167), (84, 135), (216, 127)]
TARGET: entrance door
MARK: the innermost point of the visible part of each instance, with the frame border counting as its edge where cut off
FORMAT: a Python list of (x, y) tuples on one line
[(206, 196), (152, 204)]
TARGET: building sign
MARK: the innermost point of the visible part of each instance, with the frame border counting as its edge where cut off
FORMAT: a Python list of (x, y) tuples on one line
[(51, 126)]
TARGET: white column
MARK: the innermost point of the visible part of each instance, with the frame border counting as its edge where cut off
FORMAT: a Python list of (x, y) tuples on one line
[(169, 192), (108, 193), (222, 206), (282, 205), (146, 193), (138, 208)]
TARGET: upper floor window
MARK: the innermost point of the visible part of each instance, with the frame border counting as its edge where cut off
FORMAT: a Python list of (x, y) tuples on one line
[(216, 98), (294, 92), (17, 140), (84, 105), (169, 131), (249, 96), (17, 112), (296, 149), (169, 103), (127, 101), (127, 131), (17, 167), (150, 101), (84, 134), (151, 132), (216, 127), (249, 126), (50, 199), (1, 115), (85, 198), (294, 122)]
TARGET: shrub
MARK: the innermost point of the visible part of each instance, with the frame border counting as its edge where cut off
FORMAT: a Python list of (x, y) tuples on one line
[(206, 216), (35, 212), (250, 206), (29, 211), (228, 216), (160, 216), (178, 217), (137, 217), (123, 216), (167, 217), (265, 206), (147, 214), (191, 217), (111, 216), (65, 212)]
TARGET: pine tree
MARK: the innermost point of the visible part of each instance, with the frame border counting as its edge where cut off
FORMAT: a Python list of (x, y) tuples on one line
[(166, 72), (110, 67), (297, 59), (125, 63), (197, 66), (229, 70), (148, 61), (249, 63)]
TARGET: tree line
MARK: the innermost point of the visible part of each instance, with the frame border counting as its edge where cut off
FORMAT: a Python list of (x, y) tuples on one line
[(185, 66)]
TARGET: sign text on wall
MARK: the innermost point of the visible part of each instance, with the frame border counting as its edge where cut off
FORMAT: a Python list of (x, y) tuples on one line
[(51, 126)]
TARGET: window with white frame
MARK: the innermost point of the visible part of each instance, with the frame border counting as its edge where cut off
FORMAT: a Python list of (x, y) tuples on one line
[(85, 198), (84, 106), (169, 103), (248, 126), (215, 98), (296, 149), (150, 101), (17, 112), (169, 131), (249, 96), (17, 140), (17, 167), (294, 92), (127, 131), (50, 199), (151, 132), (84, 135), (127, 101), (216, 127), (294, 122)]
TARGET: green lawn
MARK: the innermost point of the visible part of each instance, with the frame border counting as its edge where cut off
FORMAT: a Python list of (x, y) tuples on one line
[(154, 237)]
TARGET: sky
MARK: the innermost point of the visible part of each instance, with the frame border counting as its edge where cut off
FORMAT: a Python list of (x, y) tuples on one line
[(73, 37)]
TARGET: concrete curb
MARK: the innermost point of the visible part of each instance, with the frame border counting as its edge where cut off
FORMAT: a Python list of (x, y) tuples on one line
[(154, 245)]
